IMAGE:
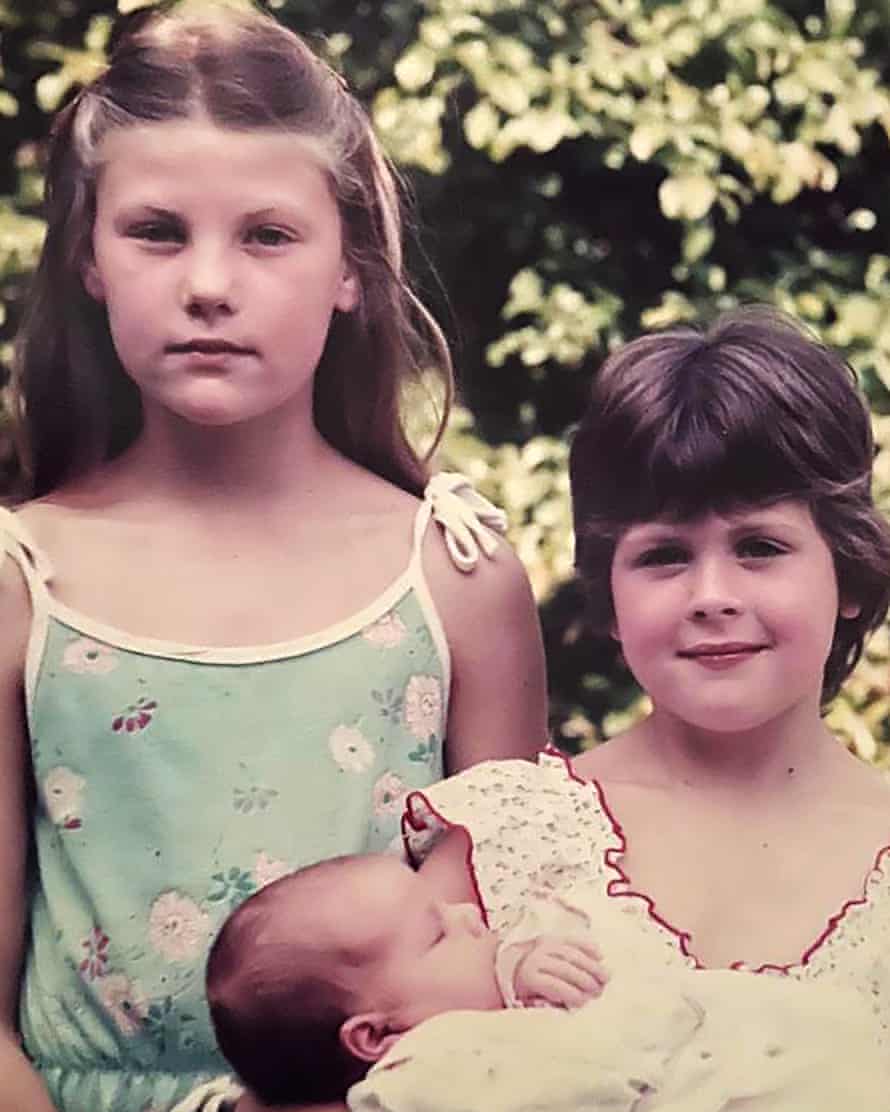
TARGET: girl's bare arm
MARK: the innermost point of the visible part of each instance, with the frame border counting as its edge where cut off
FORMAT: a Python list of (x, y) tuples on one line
[(499, 684), (21, 1089)]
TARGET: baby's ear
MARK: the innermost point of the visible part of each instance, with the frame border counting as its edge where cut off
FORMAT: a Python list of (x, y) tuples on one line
[(368, 1036), (849, 609)]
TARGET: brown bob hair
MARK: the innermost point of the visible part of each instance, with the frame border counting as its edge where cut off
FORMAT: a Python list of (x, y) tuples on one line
[(750, 411)]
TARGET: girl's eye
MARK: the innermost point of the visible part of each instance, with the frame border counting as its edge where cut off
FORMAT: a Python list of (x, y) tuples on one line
[(759, 548), (157, 231), (269, 236), (662, 556)]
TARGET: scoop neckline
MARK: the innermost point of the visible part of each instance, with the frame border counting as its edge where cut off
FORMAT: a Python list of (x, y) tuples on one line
[(620, 886), (115, 637)]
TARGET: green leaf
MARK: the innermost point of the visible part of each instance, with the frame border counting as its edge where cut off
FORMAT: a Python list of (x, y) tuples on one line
[(481, 124), (686, 196), (416, 67)]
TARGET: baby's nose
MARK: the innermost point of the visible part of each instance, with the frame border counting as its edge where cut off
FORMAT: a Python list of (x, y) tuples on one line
[(463, 917)]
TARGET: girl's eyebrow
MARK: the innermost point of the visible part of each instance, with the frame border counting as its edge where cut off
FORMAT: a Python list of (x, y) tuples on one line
[(290, 210), (146, 208), (760, 524), (766, 517), (652, 531), (271, 210)]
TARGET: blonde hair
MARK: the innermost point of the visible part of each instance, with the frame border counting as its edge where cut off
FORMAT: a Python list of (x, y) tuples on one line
[(240, 69)]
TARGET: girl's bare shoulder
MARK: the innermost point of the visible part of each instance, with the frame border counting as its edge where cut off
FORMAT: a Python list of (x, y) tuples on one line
[(49, 519), (65, 531), (617, 760), (15, 619), (861, 787)]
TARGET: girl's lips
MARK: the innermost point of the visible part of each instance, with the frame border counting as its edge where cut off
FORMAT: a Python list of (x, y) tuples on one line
[(719, 657), (722, 661), (209, 354), (210, 360), (209, 347)]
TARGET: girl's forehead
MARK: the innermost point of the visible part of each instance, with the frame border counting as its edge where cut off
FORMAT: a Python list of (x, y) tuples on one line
[(205, 172), (199, 146)]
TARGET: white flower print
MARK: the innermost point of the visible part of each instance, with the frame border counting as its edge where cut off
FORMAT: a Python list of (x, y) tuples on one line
[(87, 657), (123, 1000), (266, 869), (177, 927), (386, 632), (423, 706), (351, 749), (62, 796), (389, 794)]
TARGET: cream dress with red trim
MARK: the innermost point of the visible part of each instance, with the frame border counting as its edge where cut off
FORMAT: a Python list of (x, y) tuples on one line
[(537, 829), (666, 1035)]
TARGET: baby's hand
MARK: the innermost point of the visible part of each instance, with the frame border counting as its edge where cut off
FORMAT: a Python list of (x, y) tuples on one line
[(561, 972)]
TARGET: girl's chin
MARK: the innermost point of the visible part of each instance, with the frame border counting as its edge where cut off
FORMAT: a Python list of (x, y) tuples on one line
[(727, 719), (214, 415)]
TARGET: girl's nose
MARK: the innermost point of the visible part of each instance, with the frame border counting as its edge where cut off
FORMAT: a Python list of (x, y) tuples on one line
[(207, 285), (462, 918), (714, 592)]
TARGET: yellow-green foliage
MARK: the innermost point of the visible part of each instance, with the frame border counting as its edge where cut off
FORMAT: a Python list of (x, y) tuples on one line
[(787, 114)]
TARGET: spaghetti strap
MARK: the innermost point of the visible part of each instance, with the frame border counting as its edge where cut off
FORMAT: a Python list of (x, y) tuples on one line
[(470, 523), (17, 542)]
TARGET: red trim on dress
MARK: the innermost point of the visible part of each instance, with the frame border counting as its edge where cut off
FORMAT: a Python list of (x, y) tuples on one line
[(683, 937), (552, 751), (411, 817), (831, 926), (620, 885)]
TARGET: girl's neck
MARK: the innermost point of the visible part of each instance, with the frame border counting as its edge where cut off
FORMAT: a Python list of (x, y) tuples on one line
[(792, 750), (264, 460)]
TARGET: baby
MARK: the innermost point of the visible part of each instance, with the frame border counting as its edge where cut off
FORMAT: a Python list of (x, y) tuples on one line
[(313, 981), (317, 975)]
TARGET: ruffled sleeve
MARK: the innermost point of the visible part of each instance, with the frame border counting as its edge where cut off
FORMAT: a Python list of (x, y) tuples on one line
[(534, 829)]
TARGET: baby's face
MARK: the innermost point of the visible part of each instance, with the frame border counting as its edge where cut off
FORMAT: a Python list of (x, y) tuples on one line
[(422, 956)]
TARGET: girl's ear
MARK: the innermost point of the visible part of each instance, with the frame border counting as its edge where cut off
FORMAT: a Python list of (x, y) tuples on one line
[(850, 609), (349, 293), (92, 281), (368, 1036)]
